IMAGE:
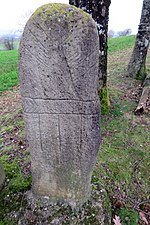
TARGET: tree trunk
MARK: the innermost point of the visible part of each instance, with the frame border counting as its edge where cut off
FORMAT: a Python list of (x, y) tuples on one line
[(144, 103), (99, 9), (136, 66)]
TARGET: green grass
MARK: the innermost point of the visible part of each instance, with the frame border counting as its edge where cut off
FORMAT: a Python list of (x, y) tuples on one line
[(129, 217), (13, 172), (123, 165), (13, 158), (8, 69), (120, 43)]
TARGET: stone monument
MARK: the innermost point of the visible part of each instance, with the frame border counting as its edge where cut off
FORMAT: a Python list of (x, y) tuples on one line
[(58, 70), (2, 175)]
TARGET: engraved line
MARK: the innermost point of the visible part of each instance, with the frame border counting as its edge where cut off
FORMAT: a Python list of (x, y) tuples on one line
[(40, 133), (81, 134), (37, 40), (39, 26), (38, 59), (84, 59), (63, 99), (86, 71), (59, 134), (47, 113), (81, 137)]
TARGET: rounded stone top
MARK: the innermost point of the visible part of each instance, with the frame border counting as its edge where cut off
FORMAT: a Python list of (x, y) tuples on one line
[(59, 54), (61, 11)]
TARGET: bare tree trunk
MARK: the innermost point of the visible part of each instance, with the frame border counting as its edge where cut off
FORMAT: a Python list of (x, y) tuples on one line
[(136, 66), (9, 43), (99, 9), (144, 103)]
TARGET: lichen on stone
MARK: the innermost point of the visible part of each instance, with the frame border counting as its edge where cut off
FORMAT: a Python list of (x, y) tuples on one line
[(58, 10)]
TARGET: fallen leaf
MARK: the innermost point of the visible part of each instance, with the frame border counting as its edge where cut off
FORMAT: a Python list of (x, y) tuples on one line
[(119, 204), (143, 218), (147, 207), (116, 220)]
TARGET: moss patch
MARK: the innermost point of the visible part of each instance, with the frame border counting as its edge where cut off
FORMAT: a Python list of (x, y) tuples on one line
[(11, 196), (62, 11), (15, 180), (128, 217), (104, 99)]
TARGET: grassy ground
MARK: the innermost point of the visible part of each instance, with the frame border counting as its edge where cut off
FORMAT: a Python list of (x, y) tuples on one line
[(123, 164), (8, 69), (120, 43), (124, 159)]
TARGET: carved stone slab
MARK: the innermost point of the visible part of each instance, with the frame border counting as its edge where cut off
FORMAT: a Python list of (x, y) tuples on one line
[(58, 69), (2, 175)]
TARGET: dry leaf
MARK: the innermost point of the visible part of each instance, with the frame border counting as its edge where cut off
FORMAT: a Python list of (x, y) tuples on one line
[(119, 204), (147, 207), (143, 218), (116, 220)]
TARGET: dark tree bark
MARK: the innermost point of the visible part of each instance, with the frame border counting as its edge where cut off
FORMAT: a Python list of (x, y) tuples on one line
[(99, 9), (144, 103), (136, 66)]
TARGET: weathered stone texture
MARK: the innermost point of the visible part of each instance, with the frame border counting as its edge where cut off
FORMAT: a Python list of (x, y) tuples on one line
[(58, 68), (2, 175)]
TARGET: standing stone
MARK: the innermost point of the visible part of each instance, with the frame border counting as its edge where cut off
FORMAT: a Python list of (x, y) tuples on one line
[(58, 68), (2, 175)]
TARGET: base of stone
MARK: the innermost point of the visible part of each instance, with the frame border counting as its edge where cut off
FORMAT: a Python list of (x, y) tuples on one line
[(42, 210), (35, 201)]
